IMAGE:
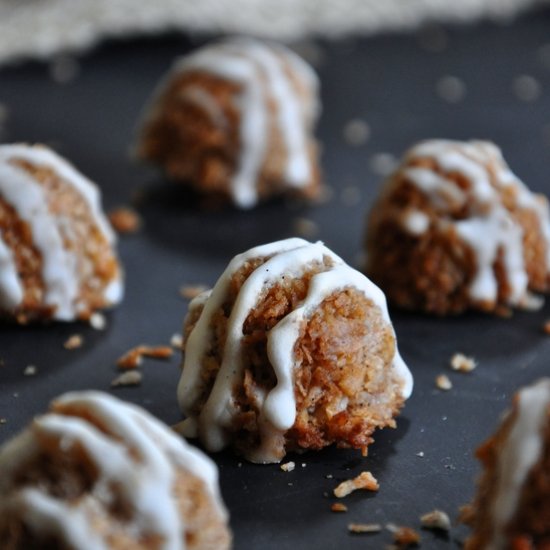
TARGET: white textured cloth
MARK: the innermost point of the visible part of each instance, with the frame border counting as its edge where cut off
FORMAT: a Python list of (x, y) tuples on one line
[(41, 28)]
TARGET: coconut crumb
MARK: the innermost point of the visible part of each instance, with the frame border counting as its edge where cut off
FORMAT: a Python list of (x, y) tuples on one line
[(382, 164), (436, 519), (404, 536), (134, 357), (546, 327), (359, 528), (338, 507), (356, 132), (125, 220), (191, 291), (420, 454), (30, 370), (288, 466), (443, 382), (176, 341), (365, 480), (64, 69), (463, 363), (3, 420), (73, 342), (128, 378), (526, 88), (98, 321)]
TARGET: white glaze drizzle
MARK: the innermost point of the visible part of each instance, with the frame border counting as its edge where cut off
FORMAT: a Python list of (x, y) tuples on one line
[(521, 451), (259, 70), (138, 456), (489, 228), (28, 198), (290, 258)]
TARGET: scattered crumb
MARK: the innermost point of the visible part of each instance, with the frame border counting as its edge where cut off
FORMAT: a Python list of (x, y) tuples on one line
[(526, 88), (30, 370), (364, 528), (290, 484), (338, 507), (365, 480), (404, 536), (191, 291), (3, 420), (450, 89), (436, 519), (463, 363), (382, 164), (240, 465), (133, 358), (443, 382), (466, 514), (128, 378), (125, 220), (420, 454), (356, 132), (288, 466), (546, 327), (305, 227), (304, 464), (73, 342), (64, 69), (98, 321), (329, 476), (176, 341), (350, 195)]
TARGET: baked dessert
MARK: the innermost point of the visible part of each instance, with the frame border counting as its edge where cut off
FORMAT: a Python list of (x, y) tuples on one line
[(455, 229), (56, 248), (95, 472), (512, 507), (235, 119), (291, 350)]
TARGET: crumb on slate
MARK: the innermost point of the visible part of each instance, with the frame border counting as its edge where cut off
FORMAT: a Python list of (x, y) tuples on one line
[(74, 342), (30, 370), (338, 507), (443, 382), (356, 132), (125, 220), (133, 358), (463, 363), (128, 378), (288, 466), (305, 227), (176, 341), (436, 519), (404, 536), (359, 528), (365, 480)]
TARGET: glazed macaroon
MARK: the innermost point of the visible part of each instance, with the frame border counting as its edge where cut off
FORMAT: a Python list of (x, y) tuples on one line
[(454, 229), (512, 507), (57, 255), (235, 119), (95, 472), (291, 350)]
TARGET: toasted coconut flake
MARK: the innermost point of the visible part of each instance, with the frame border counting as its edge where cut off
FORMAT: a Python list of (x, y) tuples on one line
[(288, 466), (338, 507), (443, 382), (365, 480), (436, 519), (98, 321), (73, 342), (125, 220), (134, 357), (463, 363), (404, 536), (128, 378)]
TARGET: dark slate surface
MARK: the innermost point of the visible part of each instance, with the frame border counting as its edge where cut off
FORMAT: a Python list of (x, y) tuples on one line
[(391, 83)]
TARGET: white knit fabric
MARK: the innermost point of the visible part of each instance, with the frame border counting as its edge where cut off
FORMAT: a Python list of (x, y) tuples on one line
[(42, 28)]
